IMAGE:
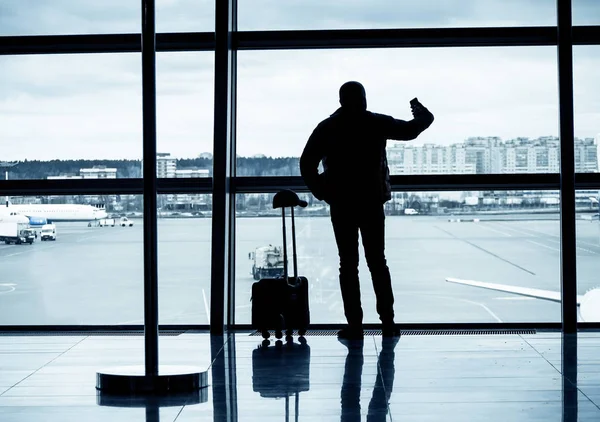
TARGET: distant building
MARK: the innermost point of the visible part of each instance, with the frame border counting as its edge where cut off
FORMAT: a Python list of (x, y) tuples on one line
[(98, 172), (191, 172), (65, 177), (165, 165), (196, 198), (491, 156)]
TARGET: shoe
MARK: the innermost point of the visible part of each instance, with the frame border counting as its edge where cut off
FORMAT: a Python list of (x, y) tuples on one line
[(390, 330), (350, 333)]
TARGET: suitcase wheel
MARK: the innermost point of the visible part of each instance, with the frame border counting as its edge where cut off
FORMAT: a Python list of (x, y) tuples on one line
[(266, 334), (266, 343), (301, 332), (278, 334)]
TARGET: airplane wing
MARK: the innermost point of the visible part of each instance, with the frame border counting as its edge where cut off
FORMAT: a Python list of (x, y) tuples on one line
[(522, 291)]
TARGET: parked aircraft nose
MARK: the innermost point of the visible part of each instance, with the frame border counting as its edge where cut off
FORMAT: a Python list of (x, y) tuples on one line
[(589, 309)]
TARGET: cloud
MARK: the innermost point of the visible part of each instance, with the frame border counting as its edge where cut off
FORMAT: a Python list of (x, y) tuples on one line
[(358, 14), (89, 106), (49, 17)]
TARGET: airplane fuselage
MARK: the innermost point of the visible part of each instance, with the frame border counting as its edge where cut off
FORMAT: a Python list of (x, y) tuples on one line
[(57, 212)]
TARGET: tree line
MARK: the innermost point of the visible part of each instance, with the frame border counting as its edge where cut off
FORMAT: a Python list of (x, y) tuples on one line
[(246, 166)]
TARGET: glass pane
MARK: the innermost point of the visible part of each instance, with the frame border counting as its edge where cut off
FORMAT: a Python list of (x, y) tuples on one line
[(69, 17), (366, 14), (586, 61), (63, 113), (586, 12), (471, 238), (184, 252), (184, 125), (65, 17), (185, 16), (588, 249), (479, 96), (84, 267)]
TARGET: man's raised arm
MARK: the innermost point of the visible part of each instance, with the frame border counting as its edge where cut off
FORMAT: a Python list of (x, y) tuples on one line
[(402, 130)]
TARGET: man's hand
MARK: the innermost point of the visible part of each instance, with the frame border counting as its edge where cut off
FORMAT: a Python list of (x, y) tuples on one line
[(418, 109)]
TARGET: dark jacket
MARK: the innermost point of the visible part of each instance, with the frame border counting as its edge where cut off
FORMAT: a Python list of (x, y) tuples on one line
[(351, 146)]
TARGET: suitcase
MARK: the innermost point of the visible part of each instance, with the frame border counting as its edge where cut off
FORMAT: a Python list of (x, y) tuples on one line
[(282, 303), (282, 371)]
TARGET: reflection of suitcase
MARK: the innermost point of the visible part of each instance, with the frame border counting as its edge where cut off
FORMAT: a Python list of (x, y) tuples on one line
[(282, 303), (282, 371)]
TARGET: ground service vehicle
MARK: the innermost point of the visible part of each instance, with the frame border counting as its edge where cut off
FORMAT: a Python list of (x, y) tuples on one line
[(124, 222), (48, 232), (104, 222), (18, 233), (267, 262)]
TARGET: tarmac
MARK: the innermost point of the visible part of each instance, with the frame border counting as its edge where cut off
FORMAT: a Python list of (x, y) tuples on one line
[(94, 275)]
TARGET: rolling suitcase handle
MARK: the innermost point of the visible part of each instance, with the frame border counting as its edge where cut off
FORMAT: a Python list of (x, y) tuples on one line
[(282, 199), (287, 407), (294, 254)]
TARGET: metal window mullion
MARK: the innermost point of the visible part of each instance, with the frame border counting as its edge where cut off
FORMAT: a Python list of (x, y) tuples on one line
[(223, 142), (149, 173), (567, 168), (232, 194)]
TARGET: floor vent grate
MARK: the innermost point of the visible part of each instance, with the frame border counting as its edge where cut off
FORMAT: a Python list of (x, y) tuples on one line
[(477, 332), (85, 333)]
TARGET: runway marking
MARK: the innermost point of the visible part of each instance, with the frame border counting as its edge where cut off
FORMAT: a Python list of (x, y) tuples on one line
[(206, 307), (488, 310), (486, 251), (32, 249), (518, 231), (485, 226), (11, 288), (544, 246), (558, 249), (514, 298)]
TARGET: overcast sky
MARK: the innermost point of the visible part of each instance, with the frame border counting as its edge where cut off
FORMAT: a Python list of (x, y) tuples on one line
[(89, 106)]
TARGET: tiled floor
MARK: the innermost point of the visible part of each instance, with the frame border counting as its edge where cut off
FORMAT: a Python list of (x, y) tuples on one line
[(418, 378)]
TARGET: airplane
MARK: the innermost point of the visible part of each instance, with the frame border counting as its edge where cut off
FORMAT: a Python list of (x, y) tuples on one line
[(588, 305), (40, 214)]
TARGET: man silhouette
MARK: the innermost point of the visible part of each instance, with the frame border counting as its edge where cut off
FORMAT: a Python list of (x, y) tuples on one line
[(356, 183)]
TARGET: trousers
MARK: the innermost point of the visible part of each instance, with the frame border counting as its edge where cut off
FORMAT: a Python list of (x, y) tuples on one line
[(369, 220)]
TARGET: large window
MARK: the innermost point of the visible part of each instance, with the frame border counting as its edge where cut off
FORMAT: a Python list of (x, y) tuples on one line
[(86, 267), (367, 14), (71, 116), (480, 97), (71, 108), (588, 250), (48, 17), (184, 115), (586, 61), (184, 239), (447, 252)]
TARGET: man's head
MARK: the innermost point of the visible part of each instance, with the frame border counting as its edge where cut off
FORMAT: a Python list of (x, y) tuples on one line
[(353, 96)]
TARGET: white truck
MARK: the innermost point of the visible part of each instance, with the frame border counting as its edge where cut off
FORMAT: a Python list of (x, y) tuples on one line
[(14, 232), (105, 222), (410, 211), (48, 232), (267, 262)]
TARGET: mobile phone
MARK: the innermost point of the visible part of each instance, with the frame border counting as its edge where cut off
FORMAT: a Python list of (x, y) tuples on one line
[(414, 102)]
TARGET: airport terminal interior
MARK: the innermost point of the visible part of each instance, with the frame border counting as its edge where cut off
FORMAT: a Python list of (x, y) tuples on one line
[(149, 144)]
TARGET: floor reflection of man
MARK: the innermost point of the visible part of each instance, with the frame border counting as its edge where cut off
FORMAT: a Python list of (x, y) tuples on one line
[(352, 381)]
